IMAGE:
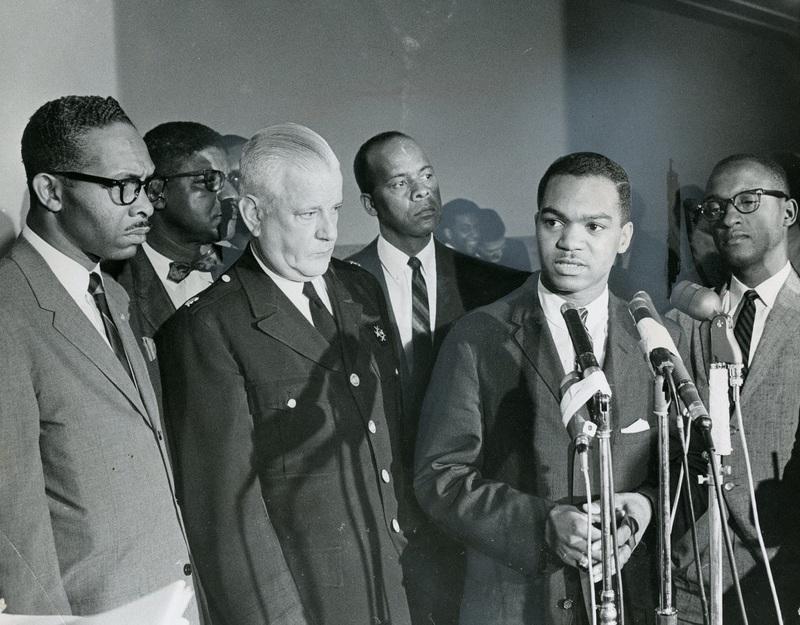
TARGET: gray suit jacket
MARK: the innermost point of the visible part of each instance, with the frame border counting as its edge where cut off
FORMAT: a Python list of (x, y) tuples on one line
[(770, 402), (88, 520), (492, 457)]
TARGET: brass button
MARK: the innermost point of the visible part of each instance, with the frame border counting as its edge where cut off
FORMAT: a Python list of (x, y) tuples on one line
[(372, 427), (729, 486), (225, 277), (396, 525), (565, 604), (292, 402), (354, 379), (385, 476)]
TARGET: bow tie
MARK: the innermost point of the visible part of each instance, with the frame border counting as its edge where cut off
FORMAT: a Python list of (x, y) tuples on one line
[(207, 259)]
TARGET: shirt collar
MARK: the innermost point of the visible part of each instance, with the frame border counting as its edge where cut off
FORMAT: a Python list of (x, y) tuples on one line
[(767, 291), (395, 261), (597, 309), (70, 273), (291, 288)]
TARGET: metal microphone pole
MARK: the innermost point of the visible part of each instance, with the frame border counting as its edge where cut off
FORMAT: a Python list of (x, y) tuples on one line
[(608, 605), (666, 614)]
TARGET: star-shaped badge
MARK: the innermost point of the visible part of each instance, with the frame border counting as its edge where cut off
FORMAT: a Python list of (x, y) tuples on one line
[(379, 333)]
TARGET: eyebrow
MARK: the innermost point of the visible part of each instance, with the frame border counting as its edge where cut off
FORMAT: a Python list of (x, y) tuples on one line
[(404, 174), (584, 218)]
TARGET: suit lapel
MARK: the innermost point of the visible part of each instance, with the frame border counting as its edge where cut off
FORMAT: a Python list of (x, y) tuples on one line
[(449, 303), (532, 335), (782, 321), (151, 296), (348, 317), (74, 326), (276, 316)]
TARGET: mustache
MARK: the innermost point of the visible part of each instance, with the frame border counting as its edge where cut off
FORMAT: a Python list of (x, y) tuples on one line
[(139, 224)]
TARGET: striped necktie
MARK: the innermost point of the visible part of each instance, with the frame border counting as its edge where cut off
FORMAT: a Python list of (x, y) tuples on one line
[(743, 330), (112, 334), (421, 338)]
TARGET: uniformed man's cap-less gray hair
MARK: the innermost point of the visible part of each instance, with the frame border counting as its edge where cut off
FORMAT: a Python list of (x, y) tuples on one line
[(272, 149)]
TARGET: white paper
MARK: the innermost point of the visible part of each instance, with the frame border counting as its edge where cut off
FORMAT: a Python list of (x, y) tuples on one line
[(161, 607)]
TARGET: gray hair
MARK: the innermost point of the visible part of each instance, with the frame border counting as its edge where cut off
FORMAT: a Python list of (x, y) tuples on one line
[(268, 153)]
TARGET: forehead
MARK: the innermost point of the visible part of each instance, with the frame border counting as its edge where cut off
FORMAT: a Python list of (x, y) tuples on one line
[(116, 149), (581, 194), (735, 177), (398, 156), (315, 184), (209, 157)]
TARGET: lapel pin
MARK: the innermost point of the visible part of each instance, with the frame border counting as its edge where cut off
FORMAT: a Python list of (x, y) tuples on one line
[(379, 333)]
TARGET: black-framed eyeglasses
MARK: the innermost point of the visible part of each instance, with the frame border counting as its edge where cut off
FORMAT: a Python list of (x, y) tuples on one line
[(123, 191), (714, 208), (213, 179)]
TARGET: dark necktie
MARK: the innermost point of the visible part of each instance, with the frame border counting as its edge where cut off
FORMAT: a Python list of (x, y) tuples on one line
[(112, 334), (320, 315), (208, 259), (743, 330), (421, 339), (584, 313)]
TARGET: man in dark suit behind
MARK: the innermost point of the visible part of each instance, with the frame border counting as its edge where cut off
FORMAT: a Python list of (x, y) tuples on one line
[(399, 187), (749, 211), (493, 463), (281, 399), (88, 520)]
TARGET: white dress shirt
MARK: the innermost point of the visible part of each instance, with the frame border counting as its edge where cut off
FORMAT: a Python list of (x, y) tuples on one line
[(398, 275), (767, 294), (178, 292), (294, 290), (596, 325), (73, 276)]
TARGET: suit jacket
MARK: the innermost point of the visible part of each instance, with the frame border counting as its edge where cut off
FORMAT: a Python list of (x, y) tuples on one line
[(284, 451), (88, 520), (770, 404), (493, 457)]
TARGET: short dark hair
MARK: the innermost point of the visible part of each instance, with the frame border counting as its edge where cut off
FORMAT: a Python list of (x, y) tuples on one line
[(490, 225), (172, 142), (775, 169), (53, 139), (361, 167), (590, 164), (454, 209)]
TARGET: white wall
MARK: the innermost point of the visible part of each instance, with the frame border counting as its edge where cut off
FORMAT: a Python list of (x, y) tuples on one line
[(49, 48)]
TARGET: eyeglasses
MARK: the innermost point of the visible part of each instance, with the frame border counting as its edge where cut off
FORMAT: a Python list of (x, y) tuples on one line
[(713, 209), (213, 179), (123, 192)]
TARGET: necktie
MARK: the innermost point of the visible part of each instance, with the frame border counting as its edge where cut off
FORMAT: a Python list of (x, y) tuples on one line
[(743, 330), (584, 313), (322, 318), (421, 339), (207, 259), (112, 334)]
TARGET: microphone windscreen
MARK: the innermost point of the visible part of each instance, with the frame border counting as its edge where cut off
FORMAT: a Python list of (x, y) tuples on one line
[(697, 301)]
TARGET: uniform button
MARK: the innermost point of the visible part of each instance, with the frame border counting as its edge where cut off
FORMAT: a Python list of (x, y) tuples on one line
[(371, 426), (292, 402), (225, 277), (729, 486), (396, 525), (565, 604), (385, 476), (187, 569), (396, 372), (354, 379)]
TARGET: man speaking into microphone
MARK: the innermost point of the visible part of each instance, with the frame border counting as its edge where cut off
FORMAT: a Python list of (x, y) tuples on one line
[(747, 204), (493, 462)]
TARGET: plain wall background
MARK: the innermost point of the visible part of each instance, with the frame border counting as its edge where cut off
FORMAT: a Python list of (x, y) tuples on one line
[(492, 91)]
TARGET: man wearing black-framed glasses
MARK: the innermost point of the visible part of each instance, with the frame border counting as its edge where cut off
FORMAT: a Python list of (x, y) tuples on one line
[(180, 257), (748, 209), (89, 521)]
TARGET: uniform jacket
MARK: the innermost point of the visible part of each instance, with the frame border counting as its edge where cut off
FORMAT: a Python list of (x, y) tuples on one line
[(493, 457), (770, 403), (88, 520), (284, 451)]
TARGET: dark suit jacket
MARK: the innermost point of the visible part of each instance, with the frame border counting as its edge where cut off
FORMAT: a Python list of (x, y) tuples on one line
[(284, 451), (770, 402), (492, 456), (88, 520)]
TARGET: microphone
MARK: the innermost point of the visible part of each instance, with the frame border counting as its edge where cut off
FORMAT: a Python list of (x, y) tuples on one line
[(701, 304), (581, 341), (660, 349), (579, 425), (697, 301)]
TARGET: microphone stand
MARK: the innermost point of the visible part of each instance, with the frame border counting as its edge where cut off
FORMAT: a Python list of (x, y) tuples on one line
[(666, 614), (608, 522)]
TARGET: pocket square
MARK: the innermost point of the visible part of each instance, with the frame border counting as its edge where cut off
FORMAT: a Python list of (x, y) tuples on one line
[(640, 425)]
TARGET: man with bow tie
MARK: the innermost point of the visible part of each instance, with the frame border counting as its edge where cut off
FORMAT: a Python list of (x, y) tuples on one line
[(282, 397), (179, 258)]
